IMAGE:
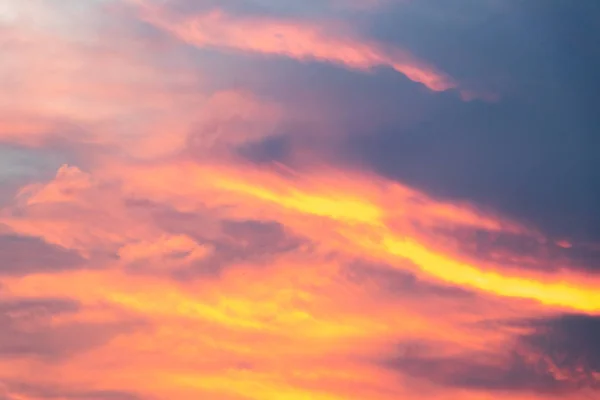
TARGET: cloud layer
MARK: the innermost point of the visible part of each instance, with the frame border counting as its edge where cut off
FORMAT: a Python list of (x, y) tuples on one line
[(280, 200)]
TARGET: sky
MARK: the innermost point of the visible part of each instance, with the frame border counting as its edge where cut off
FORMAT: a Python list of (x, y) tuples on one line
[(299, 200)]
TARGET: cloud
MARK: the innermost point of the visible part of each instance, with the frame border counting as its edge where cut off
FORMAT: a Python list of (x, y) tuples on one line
[(20, 390), (29, 332), (527, 155), (261, 199), (357, 211), (300, 40), (468, 160), (554, 357), (259, 236), (95, 87), (22, 255), (567, 344), (249, 242)]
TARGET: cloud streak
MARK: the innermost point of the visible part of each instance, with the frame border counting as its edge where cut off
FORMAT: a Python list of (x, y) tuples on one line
[(301, 40)]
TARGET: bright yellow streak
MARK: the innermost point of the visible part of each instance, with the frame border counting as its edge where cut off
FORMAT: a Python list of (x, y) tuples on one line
[(452, 271), (339, 208), (274, 314), (252, 387), (235, 314), (346, 208)]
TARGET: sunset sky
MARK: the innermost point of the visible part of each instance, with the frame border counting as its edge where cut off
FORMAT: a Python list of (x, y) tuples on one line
[(299, 200)]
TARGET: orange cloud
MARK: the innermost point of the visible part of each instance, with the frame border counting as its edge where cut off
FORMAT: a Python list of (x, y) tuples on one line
[(358, 219), (227, 336)]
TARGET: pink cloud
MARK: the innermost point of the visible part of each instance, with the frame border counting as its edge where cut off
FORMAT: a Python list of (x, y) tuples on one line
[(290, 38)]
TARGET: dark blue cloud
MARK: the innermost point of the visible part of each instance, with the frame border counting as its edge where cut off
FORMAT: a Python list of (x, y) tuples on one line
[(231, 241), (465, 372), (518, 251), (22, 255), (571, 341), (56, 392), (246, 241), (559, 355), (529, 157), (532, 155), (28, 331)]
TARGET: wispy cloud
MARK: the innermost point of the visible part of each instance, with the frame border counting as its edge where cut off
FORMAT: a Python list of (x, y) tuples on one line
[(298, 39)]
